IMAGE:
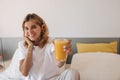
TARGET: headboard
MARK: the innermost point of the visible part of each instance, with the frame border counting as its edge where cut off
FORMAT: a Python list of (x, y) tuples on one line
[(90, 40), (9, 45)]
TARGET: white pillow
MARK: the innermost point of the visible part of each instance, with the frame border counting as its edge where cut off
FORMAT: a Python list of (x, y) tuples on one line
[(99, 66)]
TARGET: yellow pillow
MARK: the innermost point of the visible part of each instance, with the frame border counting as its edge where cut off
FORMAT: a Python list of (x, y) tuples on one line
[(95, 47)]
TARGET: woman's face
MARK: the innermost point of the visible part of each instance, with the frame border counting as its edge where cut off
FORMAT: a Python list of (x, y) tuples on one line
[(32, 31)]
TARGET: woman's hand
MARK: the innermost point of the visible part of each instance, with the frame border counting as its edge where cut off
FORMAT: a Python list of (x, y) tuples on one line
[(26, 63), (30, 43), (68, 48)]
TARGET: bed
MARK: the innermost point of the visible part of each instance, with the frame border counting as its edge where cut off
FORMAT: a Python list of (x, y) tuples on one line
[(97, 60), (96, 65)]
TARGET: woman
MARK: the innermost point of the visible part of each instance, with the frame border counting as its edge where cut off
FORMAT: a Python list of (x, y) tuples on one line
[(37, 60)]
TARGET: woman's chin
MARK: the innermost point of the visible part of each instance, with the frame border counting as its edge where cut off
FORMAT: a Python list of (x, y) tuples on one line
[(32, 39)]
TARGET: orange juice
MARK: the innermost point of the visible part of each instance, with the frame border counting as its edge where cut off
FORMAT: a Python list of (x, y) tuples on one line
[(59, 49)]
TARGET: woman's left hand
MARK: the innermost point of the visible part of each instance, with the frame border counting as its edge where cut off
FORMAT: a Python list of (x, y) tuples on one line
[(68, 48)]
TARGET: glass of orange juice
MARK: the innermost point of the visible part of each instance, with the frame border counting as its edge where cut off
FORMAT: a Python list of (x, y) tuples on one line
[(60, 54)]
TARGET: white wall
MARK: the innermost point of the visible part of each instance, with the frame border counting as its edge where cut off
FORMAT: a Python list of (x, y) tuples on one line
[(65, 18)]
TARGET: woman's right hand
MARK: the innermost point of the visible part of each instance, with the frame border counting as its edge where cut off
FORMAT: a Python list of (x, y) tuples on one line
[(28, 41), (26, 63)]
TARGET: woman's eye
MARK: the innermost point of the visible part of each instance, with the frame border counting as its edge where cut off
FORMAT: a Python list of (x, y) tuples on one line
[(33, 27), (26, 28)]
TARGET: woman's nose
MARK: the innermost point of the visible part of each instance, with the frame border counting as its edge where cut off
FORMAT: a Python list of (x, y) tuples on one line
[(30, 31)]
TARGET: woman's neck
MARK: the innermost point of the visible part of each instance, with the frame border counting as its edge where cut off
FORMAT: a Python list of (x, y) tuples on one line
[(36, 42)]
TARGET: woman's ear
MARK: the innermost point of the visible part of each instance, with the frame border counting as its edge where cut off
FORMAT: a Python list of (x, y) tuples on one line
[(43, 28)]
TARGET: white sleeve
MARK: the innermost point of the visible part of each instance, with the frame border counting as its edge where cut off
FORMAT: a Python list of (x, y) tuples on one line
[(19, 54), (13, 69), (52, 48), (21, 50)]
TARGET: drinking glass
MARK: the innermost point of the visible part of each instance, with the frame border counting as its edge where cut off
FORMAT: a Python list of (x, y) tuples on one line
[(60, 54)]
